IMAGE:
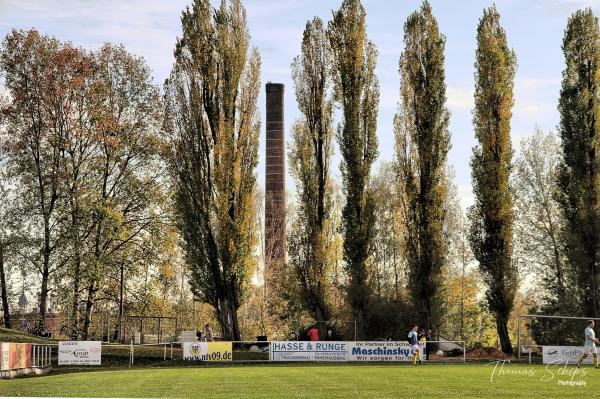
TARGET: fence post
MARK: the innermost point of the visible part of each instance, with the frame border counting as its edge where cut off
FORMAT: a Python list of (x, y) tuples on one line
[(165, 352), (519, 337), (464, 352), (529, 350), (131, 353), (171, 350)]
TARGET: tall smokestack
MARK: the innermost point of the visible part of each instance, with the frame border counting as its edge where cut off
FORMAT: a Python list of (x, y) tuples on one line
[(274, 182)]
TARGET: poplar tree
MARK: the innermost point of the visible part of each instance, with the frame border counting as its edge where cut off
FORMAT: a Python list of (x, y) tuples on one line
[(422, 144), (357, 90), (309, 157), (578, 171), (491, 217), (213, 121)]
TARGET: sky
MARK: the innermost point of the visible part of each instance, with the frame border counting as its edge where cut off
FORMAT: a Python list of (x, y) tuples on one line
[(149, 28)]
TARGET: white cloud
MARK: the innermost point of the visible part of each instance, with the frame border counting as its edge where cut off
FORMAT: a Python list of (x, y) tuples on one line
[(459, 97), (528, 109), (528, 83)]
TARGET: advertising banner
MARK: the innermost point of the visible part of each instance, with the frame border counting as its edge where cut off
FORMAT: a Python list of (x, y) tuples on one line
[(208, 351), (563, 354), (79, 353), (341, 351), (379, 351), (307, 351), (15, 356)]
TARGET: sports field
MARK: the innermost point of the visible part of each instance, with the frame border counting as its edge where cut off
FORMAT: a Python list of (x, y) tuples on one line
[(311, 381)]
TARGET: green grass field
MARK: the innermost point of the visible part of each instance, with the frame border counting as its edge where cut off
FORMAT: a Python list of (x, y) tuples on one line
[(7, 335), (309, 381)]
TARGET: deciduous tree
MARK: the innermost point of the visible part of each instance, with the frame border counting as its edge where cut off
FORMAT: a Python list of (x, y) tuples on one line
[(578, 173), (422, 144), (357, 90), (309, 158), (213, 121), (491, 217)]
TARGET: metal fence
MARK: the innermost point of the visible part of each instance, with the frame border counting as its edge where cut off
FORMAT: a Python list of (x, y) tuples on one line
[(41, 355), (171, 353)]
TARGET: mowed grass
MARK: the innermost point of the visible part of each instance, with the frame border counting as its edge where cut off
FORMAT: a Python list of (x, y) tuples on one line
[(309, 381)]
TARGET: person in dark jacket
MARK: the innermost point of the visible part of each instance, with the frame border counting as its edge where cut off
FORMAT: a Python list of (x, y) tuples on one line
[(428, 337)]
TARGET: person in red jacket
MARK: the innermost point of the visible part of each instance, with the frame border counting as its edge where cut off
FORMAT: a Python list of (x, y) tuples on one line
[(313, 334)]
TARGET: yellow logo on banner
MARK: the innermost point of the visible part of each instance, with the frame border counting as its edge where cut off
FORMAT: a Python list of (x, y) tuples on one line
[(195, 349)]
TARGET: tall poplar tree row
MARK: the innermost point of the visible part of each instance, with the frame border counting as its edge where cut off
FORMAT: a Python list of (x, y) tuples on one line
[(357, 89), (309, 157), (422, 144), (491, 216), (578, 172), (213, 120)]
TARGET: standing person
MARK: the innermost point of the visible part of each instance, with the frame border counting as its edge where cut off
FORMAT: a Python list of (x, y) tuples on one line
[(208, 333), (313, 333), (422, 346), (590, 344), (329, 334), (413, 341), (428, 337)]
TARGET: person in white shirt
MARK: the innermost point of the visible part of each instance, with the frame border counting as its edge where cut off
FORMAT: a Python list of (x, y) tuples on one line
[(590, 344), (413, 341), (208, 334)]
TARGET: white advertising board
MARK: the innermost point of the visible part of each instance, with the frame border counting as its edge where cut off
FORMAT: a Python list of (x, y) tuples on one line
[(563, 354), (308, 351), (79, 353)]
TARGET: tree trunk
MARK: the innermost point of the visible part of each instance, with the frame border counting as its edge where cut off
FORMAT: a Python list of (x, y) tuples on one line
[(397, 296), (424, 307), (75, 304), (225, 319), (235, 326), (118, 326), (89, 305), (44, 291), (502, 327), (359, 324), (3, 289), (45, 274), (321, 319), (594, 288)]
